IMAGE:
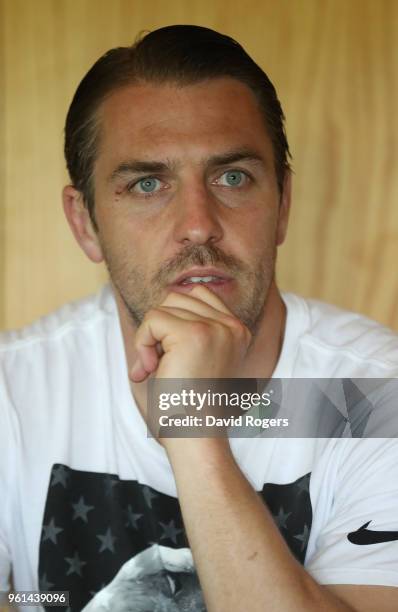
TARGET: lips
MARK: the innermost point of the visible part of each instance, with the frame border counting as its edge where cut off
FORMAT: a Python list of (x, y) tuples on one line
[(202, 276), (214, 279), (195, 280)]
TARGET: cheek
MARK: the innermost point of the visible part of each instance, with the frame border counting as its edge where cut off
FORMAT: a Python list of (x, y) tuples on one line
[(117, 231), (256, 231)]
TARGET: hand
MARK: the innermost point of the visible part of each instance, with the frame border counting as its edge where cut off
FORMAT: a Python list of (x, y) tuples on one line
[(190, 336)]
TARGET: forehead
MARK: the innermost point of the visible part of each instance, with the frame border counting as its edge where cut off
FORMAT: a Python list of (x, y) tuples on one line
[(150, 119)]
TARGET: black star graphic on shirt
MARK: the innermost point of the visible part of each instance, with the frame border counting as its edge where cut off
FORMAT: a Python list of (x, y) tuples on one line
[(107, 541), (303, 537), (132, 518), (281, 518), (110, 483), (80, 510), (303, 484), (170, 532), (45, 585), (50, 532), (75, 564), (60, 475), (148, 496)]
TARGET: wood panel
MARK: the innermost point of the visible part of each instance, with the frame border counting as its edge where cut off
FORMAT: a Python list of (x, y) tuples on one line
[(2, 167), (335, 65)]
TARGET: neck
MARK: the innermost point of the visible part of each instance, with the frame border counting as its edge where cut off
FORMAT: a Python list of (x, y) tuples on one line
[(260, 360), (266, 347)]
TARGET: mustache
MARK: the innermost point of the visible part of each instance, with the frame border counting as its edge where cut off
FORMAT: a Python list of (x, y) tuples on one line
[(197, 255)]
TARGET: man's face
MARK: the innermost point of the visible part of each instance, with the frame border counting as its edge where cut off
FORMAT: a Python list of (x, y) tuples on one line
[(185, 189)]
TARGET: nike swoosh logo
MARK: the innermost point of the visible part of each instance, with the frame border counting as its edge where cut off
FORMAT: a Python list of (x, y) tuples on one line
[(365, 536)]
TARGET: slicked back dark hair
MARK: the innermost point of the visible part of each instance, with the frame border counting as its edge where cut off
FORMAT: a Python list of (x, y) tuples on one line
[(180, 54)]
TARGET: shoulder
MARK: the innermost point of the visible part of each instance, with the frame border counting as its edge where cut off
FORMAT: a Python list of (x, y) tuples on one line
[(53, 329), (55, 365), (64, 344), (344, 340)]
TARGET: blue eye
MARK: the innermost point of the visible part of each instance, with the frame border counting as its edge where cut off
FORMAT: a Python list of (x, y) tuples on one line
[(233, 178), (147, 185)]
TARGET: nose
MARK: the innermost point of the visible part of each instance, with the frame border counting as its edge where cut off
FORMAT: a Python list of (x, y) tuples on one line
[(197, 216)]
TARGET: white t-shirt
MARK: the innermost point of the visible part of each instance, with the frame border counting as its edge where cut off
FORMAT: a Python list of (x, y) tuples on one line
[(84, 489)]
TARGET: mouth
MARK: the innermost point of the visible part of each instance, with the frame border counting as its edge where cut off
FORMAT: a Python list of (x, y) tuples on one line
[(209, 277)]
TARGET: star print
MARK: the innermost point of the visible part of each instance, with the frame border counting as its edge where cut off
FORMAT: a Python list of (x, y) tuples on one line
[(50, 532), (303, 537), (303, 484), (107, 541), (148, 496), (75, 564), (60, 475), (281, 518), (170, 532), (132, 518), (110, 483), (80, 510), (45, 585)]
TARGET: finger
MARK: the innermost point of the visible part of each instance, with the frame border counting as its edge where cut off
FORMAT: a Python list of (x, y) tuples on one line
[(147, 361), (151, 342), (148, 349), (208, 296), (203, 293), (159, 327), (199, 300), (138, 373), (199, 314)]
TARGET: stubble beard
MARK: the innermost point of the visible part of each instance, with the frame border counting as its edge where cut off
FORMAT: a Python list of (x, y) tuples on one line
[(139, 295)]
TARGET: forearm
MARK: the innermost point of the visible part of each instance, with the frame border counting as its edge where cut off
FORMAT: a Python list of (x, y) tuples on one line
[(241, 558)]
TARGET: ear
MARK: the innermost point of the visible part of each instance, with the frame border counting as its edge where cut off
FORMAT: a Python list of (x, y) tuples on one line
[(284, 208), (80, 223)]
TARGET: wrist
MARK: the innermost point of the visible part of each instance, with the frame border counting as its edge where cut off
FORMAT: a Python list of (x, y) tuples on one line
[(195, 450)]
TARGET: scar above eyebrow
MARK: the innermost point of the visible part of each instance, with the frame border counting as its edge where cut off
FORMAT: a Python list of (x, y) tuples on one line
[(252, 556)]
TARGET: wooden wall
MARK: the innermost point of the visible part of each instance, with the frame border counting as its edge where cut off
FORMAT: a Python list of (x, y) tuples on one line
[(335, 65)]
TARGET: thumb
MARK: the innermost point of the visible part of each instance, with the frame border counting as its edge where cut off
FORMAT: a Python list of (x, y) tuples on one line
[(146, 362)]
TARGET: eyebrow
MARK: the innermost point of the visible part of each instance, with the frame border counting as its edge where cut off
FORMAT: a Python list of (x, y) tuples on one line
[(234, 156), (136, 166)]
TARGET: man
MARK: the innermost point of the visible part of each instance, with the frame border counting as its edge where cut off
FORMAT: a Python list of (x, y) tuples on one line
[(181, 184)]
